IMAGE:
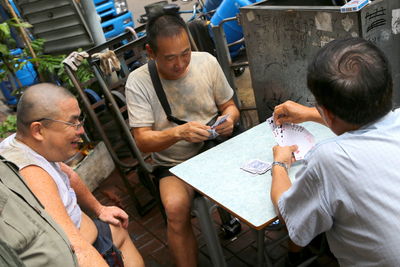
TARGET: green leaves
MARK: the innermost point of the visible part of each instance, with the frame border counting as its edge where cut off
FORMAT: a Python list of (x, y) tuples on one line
[(12, 23), (3, 49), (4, 31), (8, 126), (49, 66), (52, 64), (37, 46)]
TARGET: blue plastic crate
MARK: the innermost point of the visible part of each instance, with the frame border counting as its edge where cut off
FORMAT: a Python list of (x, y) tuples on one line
[(105, 9), (7, 90), (116, 26)]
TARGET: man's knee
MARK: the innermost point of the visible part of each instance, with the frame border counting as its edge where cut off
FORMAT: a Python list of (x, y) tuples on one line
[(177, 208), (176, 198), (119, 235)]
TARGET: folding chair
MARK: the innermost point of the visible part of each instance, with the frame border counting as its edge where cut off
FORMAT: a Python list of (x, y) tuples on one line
[(112, 103)]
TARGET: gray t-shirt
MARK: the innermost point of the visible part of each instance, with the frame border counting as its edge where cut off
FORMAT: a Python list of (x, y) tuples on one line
[(194, 97), (349, 188)]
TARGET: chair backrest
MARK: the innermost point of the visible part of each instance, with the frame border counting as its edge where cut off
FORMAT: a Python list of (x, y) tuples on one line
[(105, 107), (111, 104)]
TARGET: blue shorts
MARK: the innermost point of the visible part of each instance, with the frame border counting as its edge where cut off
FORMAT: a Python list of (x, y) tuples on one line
[(105, 246)]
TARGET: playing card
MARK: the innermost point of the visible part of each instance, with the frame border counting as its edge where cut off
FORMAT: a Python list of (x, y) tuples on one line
[(277, 131), (220, 121), (289, 134), (294, 134), (213, 134), (256, 166), (212, 131)]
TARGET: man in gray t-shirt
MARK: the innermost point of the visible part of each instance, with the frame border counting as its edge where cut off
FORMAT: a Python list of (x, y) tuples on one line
[(197, 91)]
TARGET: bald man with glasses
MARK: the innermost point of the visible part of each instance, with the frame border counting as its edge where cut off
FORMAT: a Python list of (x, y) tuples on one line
[(49, 126)]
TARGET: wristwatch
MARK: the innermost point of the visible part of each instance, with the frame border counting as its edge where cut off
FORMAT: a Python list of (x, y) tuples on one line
[(284, 165)]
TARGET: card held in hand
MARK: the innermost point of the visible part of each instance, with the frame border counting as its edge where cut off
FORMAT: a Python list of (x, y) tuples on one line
[(289, 134), (212, 131)]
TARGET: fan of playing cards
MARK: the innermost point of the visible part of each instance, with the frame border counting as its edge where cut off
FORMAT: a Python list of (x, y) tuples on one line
[(289, 134)]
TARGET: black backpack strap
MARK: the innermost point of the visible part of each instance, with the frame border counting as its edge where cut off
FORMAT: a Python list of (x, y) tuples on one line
[(161, 94)]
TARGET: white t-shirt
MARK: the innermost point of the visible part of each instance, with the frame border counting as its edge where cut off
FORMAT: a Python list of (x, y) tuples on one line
[(23, 156), (194, 97)]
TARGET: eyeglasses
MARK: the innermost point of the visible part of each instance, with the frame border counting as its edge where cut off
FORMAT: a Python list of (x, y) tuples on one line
[(77, 126)]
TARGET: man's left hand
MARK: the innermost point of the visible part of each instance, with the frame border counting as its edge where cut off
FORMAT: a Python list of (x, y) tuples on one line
[(284, 154), (225, 128), (114, 216)]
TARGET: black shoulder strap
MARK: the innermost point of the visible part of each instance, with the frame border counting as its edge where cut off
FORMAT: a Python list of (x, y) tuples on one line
[(161, 94)]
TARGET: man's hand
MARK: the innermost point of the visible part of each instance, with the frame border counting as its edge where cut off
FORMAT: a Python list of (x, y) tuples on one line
[(113, 215), (68, 170), (291, 112), (284, 154), (225, 128), (193, 132)]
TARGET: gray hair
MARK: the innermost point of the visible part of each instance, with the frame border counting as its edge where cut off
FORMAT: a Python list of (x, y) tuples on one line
[(39, 101)]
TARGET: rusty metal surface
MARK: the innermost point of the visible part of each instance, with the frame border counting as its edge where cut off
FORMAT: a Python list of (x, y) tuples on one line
[(282, 39)]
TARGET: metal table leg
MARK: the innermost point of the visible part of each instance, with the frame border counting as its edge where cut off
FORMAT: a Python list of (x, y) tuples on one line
[(203, 213), (261, 260)]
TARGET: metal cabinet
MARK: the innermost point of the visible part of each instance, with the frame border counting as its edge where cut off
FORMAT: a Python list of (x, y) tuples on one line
[(282, 37)]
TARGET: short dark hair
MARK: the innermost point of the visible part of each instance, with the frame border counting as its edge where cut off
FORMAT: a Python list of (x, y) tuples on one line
[(352, 79), (163, 24)]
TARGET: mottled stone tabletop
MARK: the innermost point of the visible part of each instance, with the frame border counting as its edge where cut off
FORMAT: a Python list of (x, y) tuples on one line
[(216, 173)]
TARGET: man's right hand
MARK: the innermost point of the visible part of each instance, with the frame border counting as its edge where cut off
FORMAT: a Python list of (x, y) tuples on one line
[(292, 112), (193, 132)]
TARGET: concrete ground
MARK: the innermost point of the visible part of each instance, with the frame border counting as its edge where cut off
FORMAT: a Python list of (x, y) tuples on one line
[(148, 232)]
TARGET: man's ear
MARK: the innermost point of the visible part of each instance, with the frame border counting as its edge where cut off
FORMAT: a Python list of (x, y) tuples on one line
[(36, 129), (150, 52), (328, 116)]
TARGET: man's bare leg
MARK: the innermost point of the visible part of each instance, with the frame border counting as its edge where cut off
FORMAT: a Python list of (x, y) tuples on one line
[(123, 242), (177, 197)]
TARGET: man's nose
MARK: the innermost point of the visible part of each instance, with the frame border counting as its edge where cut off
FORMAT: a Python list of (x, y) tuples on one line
[(80, 130), (180, 62)]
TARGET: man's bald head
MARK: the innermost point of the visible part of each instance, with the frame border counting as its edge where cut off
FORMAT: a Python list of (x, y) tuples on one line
[(40, 101)]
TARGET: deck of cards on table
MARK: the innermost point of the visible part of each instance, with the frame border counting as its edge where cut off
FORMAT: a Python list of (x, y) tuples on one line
[(288, 134), (256, 166)]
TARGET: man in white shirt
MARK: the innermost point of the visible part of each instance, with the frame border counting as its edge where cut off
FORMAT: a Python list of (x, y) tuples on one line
[(348, 185)]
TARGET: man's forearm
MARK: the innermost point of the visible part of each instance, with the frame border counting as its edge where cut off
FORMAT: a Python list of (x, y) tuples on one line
[(155, 141), (85, 198), (280, 183), (233, 112)]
